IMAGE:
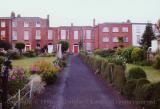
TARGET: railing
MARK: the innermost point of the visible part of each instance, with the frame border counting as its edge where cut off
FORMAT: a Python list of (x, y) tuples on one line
[(22, 97)]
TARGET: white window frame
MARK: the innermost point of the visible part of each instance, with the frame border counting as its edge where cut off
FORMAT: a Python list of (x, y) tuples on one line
[(26, 24), (88, 46), (26, 35), (50, 35), (124, 29), (125, 38), (115, 29), (105, 29), (3, 24), (14, 24), (75, 35), (88, 34), (114, 39), (14, 35), (63, 34), (38, 34), (38, 24), (105, 39)]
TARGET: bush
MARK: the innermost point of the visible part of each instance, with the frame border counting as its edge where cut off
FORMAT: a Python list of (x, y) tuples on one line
[(2, 53), (157, 62), (136, 73), (64, 46), (126, 53), (1, 61), (144, 63), (13, 54), (137, 54), (29, 53), (104, 53), (129, 88), (49, 78)]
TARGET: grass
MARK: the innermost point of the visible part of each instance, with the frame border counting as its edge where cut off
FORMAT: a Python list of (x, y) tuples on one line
[(153, 75), (27, 62)]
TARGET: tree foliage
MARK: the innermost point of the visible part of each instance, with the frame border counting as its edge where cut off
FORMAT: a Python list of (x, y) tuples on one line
[(20, 46), (5, 45), (65, 45), (148, 36)]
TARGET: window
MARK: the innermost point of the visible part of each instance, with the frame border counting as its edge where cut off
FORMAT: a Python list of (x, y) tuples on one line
[(26, 35), (63, 34), (14, 35), (38, 34), (105, 29), (88, 34), (105, 39), (114, 39), (115, 29), (138, 38), (125, 29), (138, 30), (125, 39), (38, 24), (50, 35), (3, 24), (75, 35), (26, 24), (14, 24), (88, 46), (3, 35)]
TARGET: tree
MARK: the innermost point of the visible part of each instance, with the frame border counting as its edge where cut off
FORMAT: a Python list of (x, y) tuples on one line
[(65, 45), (148, 36), (158, 27), (121, 40), (20, 46), (5, 45), (81, 44)]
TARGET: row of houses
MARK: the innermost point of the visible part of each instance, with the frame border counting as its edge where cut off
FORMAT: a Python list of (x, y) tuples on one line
[(36, 32)]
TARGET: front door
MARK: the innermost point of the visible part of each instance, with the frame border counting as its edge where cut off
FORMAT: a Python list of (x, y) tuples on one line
[(76, 49)]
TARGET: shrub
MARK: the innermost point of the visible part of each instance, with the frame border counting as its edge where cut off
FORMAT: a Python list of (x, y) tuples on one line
[(119, 51), (144, 63), (49, 78), (17, 80), (104, 53), (126, 53), (13, 54), (1, 61), (20, 46), (64, 46), (2, 53), (136, 73), (129, 88), (157, 62), (137, 54), (29, 53)]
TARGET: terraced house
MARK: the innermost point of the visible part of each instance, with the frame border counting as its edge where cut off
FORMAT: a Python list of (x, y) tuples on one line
[(36, 32)]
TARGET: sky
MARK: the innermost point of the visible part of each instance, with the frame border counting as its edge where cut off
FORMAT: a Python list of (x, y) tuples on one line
[(82, 12)]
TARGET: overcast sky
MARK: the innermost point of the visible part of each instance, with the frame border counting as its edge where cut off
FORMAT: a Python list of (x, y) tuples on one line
[(82, 12)]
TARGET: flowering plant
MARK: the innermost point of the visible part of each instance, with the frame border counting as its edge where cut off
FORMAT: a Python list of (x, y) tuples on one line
[(34, 70)]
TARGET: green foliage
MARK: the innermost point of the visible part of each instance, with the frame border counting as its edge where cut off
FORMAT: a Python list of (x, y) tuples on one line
[(5, 45), (136, 73), (129, 88), (20, 46), (49, 78), (137, 54), (157, 62), (65, 45), (126, 53), (104, 53), (1, 61), (144, 63), (13, 54), (148, 36), (29, 53)]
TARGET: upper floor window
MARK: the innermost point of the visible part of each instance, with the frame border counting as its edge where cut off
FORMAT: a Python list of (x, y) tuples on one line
[(38, 34), (14, 24), (88, 34), (88, 46), (75, 35), (115, 29), (138, 29), (38, 24), (26, 35), (125, 39), (63, 34), (50, 35), (105, 29), (3, 24), (105, 39), (14, 35), (26, 24), (125, 29), (114, 39)]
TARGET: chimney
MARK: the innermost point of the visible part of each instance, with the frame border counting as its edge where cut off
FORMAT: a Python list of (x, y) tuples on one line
[(18, 15), (71, 24), (128, 21), (94, 22), (12, 14), (48, 20)]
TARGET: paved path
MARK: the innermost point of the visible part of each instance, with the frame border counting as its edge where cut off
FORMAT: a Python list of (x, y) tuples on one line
[(79, 88)]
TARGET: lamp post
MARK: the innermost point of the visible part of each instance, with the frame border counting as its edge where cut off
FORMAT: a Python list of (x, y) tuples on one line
[(4, 77)]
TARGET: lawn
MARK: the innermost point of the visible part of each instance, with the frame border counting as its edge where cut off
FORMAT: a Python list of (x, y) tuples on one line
[(152, 74), (27, 62)]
